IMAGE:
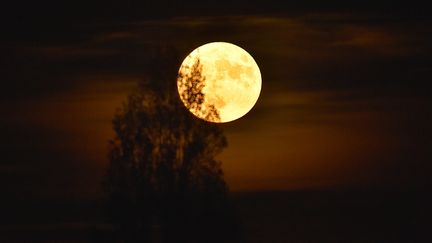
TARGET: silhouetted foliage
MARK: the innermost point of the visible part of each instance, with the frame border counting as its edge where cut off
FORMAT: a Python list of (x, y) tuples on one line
[(191, 82), (163, 176)]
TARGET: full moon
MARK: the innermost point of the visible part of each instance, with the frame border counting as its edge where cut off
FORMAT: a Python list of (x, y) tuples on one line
[(219, 82)]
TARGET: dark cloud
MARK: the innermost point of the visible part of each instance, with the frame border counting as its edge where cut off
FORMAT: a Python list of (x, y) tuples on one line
[(304, 52)]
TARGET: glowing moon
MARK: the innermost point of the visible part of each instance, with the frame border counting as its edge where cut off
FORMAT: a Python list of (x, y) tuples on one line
[(219, 82)]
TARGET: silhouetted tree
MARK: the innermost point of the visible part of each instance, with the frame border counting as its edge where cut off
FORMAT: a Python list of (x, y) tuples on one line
[(191, 84), (162, 169)]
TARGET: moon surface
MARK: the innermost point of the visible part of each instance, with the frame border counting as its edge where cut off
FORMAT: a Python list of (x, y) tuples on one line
[(219, 82)]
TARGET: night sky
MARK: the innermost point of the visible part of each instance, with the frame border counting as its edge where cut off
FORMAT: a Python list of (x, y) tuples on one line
[(345, 101)]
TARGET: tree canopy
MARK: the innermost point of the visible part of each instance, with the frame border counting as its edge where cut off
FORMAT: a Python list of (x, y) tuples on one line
[(162, 167)]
